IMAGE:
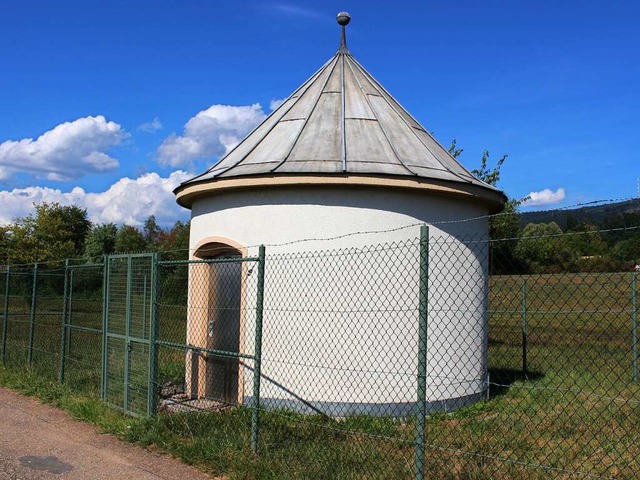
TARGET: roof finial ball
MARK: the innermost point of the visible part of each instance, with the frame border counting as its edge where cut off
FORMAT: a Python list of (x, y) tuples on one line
[(343, 20)]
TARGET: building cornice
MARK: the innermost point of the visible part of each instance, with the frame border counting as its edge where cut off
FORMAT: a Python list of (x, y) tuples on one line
[(187, 194)]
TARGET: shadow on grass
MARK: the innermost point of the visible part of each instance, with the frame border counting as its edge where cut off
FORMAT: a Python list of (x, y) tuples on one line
[(501, 379)]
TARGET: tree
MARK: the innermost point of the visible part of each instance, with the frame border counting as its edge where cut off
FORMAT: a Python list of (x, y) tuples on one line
[(628, 250), (152, 232), (585, 240), (175, 243), (544, 249), (506, 224), (622, 226), (572, 222), (130, 239), (5, 243), (100, 241), (78, 224), (54, 232), (492, 177), (591, 252), (503, 227)]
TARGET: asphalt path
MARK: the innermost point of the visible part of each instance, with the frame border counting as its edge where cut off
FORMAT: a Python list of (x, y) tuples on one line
[(38, 441)]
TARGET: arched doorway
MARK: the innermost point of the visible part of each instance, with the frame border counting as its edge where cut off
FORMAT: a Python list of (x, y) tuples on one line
[(214, 321)]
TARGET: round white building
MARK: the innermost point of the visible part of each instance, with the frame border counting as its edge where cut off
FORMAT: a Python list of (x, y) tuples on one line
[(340, 161)]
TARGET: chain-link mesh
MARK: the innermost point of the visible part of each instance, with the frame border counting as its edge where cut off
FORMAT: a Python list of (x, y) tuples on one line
[(17, 315), (339, 362), (522, 352), (562, 395), (127, 343), (562, 363), (4, 295), (46, 326), (32, 307), (206, 333), (82, 369)]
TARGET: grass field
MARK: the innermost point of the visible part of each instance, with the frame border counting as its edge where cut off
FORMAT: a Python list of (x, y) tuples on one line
[(574, 413)]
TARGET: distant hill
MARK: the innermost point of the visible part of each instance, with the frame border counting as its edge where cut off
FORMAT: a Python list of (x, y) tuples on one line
[(599, 215)]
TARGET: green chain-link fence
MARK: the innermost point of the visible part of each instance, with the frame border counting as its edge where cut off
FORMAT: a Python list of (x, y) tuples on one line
[(33, 303), (81, 342), (209, 334), (433, 357)]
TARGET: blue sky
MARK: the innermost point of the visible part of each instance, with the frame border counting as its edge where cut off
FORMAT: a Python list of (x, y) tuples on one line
[(109, 104)]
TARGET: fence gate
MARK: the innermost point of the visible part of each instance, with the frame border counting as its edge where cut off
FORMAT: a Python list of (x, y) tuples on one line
[(128, 344), (81, 340)]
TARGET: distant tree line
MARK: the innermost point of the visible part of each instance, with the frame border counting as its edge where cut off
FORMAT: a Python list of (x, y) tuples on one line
[(610, 245), (584, 247), (56, 232)]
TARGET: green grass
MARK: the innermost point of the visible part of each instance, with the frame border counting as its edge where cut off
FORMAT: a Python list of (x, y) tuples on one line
[(293, 446), (90, 409), (577, 410), (486, 440)]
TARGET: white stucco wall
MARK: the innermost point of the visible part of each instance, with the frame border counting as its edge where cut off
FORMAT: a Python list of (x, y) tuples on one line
[(340, 327)]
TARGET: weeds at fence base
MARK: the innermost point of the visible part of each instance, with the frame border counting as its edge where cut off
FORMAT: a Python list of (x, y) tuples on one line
[(562, 359), (220, 442), (363, 447), (90, 409), (297, 446)]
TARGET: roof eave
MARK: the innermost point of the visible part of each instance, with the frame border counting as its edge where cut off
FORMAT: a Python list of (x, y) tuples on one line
[(493, 199)]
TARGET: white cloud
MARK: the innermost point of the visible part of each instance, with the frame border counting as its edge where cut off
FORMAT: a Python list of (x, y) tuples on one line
[(211, 133), (69, 150), (545, 197), (152, 126), (275, 103), (128, 200)]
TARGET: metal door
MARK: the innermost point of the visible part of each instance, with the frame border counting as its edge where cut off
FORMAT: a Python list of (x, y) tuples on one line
[(129, 324), (224, 329)]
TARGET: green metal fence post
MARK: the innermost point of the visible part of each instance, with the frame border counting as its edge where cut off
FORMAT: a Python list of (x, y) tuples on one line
[(525, 370), (105, 325), (32, 316), (144, 299), (153, 333), (5, 323), (63, 333), (422, 352), (128, 347), (67, 347), (255, 417), (634, 326)]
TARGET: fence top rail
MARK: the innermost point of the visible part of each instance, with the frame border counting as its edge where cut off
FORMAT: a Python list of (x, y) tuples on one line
[(210, 260), (58, 272), (569, 275), (86, 265), (130, 255)]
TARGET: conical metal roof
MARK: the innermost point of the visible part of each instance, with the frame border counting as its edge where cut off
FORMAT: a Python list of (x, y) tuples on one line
[(342, 122)]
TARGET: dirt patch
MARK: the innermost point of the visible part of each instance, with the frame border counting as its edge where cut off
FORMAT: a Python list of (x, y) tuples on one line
[(41, 442)]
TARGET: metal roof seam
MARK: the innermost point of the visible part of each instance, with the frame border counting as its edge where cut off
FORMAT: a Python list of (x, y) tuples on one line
[(295, 94), (325, 129), (308, 84), (306, 120), (343, 119), (393, 149), (376, 85)]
